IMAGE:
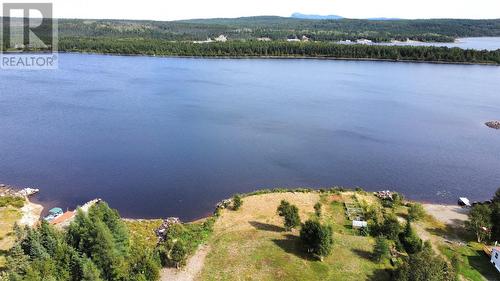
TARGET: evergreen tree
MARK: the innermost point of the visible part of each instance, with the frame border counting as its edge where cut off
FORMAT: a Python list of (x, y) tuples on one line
[(290, 214), (380, 249)]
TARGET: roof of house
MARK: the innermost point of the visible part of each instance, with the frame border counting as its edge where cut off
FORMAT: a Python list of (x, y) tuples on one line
[(55, 210), (464, 200), (62, 218)]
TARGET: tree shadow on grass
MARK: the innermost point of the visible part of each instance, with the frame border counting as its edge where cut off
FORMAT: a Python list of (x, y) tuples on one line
[(380, 275), (362, 253), (456, 230), (481, 263), (292, 245), (266, 226)]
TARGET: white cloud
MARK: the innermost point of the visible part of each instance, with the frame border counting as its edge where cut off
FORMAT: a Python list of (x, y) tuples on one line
[(186, 9)]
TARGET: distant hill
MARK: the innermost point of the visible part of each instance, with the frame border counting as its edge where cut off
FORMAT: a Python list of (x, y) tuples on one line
[(316, 17), (333, 17)]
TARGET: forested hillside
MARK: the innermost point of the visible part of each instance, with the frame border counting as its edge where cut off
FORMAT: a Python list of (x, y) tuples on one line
[(279, 28)]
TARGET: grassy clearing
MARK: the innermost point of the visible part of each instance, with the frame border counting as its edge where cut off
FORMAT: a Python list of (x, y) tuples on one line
[(251, 244), (8, 217), (142, 232)]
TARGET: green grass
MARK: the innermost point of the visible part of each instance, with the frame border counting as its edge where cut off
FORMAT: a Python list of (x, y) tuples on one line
[(192, 234), (267, 252), (142, 232), (473, 263), (8, 217), (14, 201)]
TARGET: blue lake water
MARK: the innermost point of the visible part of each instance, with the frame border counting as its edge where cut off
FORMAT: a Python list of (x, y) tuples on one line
[(159, 137)]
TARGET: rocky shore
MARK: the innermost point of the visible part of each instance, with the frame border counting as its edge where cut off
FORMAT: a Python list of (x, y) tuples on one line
[(493, 124)]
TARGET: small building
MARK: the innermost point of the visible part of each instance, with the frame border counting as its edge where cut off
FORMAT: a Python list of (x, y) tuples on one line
[(359, 224), (53, 214), (63, 220), (464, 202), (495, 258)]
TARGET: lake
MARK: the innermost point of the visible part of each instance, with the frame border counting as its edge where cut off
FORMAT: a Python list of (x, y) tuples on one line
[(158, 137)]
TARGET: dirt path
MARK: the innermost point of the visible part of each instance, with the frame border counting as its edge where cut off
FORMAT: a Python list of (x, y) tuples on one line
[(188, 272)]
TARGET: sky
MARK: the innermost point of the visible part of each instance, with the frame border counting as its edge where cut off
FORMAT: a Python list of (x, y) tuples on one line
[(189, 9)]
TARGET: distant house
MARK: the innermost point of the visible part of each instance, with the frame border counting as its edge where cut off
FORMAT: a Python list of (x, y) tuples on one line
[(364, 41), (495, 258), (221, 38)]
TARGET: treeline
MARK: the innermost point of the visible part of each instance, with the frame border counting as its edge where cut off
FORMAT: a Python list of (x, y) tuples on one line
[(277, 49), (96, 246), (279, 28)]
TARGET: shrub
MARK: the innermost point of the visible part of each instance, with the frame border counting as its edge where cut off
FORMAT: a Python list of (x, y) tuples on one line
[(237, 202), (391, 227), (416, 211), (317, 238), (423, 266), (290, 214), (14, 201), (317, 209)]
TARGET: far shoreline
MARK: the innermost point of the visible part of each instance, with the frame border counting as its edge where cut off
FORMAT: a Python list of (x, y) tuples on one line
[(319, 58)]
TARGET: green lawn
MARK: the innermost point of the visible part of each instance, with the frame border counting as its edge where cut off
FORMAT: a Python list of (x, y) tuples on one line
[(474, 264), (254, 246)]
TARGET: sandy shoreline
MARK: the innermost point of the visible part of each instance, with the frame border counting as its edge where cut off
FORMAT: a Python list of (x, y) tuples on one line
[(31, 214)]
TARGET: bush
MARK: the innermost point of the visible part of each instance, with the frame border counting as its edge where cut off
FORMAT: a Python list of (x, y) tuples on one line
[(391, 227), (317, 209), (416, 211), (380, 249), (317, 238), (290, 213), (424, 266), (14, 201), (237, 202)]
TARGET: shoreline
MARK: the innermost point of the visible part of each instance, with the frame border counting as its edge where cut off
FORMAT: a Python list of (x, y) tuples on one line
[(281, 57)]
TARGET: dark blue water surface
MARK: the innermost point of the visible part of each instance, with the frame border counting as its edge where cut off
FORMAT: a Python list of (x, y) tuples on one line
[(159, 137)]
